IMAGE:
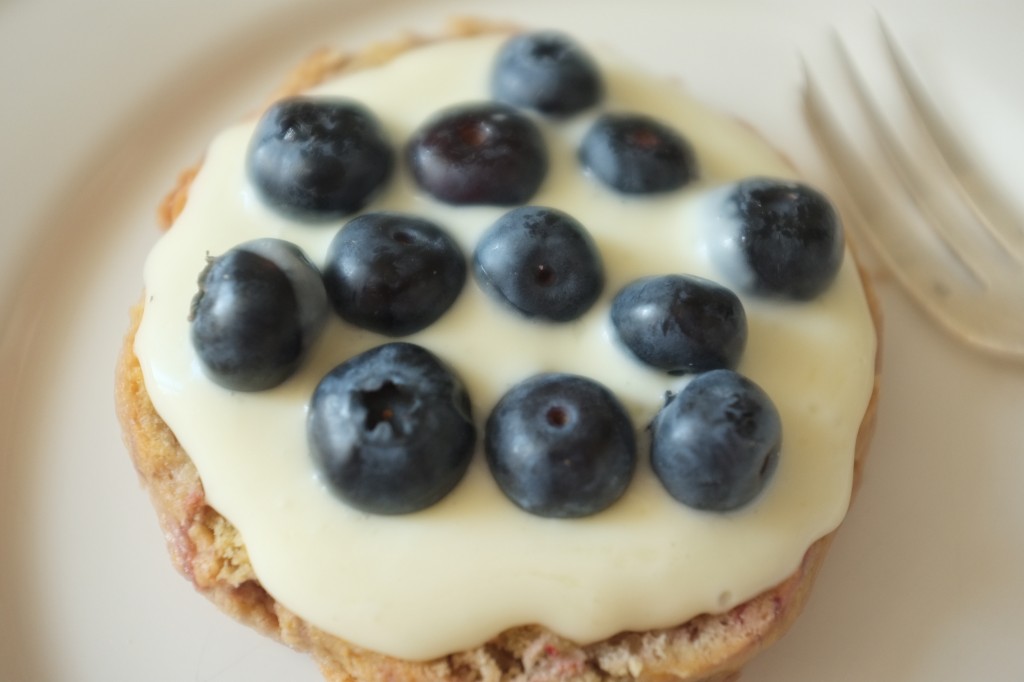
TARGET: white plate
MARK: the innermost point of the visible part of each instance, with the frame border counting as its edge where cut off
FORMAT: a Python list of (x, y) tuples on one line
[(105, 101)]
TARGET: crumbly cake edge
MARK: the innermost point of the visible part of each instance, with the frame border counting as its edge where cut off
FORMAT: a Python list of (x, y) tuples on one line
[(208, 551)]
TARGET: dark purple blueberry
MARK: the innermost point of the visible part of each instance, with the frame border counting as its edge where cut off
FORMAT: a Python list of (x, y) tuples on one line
[(392, 273), (541, 262), (546, 71), (560, 446), (779, 238), (715, 445), (681, 323), (318, 158), (259, 308), (635, 154), (391, 430), (479, 154)]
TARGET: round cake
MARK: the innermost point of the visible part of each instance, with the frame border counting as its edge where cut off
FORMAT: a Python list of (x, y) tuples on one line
[(492, 357)]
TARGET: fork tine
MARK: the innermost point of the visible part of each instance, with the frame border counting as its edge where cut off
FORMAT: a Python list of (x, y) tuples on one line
[(988, 207), (899, 250), (988, 318), (971, 253)]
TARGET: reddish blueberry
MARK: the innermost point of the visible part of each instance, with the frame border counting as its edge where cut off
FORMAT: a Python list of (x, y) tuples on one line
[(479, 154)]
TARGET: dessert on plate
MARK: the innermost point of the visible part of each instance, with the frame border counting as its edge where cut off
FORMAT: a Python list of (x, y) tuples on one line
[(492, 357)]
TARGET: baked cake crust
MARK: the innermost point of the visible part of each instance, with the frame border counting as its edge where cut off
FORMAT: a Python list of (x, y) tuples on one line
[(210, 553)]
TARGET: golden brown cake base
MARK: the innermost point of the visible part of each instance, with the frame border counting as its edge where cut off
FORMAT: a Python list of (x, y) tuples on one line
[(207, 549)]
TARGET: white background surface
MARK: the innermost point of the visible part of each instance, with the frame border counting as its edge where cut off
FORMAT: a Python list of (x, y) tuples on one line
[(103, 101)]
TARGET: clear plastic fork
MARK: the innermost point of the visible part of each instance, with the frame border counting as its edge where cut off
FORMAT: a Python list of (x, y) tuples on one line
[(925, 209)]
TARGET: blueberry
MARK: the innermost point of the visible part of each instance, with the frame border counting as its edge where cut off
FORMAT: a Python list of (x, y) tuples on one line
[(635, 154), (560, 446), (392, 273), (391, 430), (680, 323), (317, 158), (479, 154), (715, 445), (546, 71), (541, 262), (781, 239), (259, 308)]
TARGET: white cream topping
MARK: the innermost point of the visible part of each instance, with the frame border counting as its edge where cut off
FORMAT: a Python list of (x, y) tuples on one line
[(451, 577)]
